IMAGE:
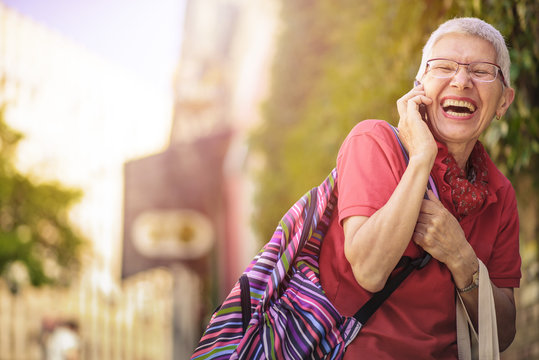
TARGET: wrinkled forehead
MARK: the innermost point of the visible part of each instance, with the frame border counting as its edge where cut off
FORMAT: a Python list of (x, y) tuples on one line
[(463, 48)]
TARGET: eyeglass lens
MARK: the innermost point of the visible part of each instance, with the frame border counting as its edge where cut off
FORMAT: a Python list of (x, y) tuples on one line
[(478, 70)]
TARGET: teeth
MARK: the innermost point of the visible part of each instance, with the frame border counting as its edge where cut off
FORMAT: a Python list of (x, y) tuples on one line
[(460, 103), (457, 114)]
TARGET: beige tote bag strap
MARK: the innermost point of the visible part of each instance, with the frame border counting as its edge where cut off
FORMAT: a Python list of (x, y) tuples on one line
[(464, 341), (485, 345)]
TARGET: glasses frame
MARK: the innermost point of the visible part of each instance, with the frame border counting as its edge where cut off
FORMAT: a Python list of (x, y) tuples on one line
[(459, 64)]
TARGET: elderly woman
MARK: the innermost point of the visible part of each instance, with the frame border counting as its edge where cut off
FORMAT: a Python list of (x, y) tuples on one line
[(382, 213)]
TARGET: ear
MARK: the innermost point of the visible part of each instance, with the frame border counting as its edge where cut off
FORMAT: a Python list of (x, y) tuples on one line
[(506, 99)]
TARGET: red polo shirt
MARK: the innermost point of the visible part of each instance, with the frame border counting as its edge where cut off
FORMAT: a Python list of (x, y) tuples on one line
[(418, 320)]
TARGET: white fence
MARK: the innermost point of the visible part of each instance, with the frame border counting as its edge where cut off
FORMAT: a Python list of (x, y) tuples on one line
[(134, 323)]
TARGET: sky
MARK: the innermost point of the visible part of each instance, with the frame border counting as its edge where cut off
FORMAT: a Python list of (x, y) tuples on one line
[(143, 36)]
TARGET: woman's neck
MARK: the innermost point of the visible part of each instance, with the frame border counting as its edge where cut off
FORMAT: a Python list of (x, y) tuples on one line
[(461, 153)]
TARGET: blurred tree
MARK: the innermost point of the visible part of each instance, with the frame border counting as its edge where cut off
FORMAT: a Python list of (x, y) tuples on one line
[(342, 62), (38, 245), (337, 63)]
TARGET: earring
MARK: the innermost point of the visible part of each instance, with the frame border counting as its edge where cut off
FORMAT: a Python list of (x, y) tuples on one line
[(498, 117)]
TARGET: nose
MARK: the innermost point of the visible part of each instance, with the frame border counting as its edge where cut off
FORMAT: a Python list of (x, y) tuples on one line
[(462, 78)]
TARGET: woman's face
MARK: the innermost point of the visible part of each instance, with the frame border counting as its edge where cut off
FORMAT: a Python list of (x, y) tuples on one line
[(484, 100)]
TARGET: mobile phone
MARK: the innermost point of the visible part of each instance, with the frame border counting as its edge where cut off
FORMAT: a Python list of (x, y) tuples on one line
[(422, 107)]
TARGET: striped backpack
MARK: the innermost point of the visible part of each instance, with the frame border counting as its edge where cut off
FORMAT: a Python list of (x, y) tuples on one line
[(277, 309)]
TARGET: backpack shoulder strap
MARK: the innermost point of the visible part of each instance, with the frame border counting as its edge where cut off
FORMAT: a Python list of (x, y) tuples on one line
[(430, 185)]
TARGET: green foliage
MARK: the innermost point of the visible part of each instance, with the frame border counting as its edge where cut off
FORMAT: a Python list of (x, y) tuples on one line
[(338, 63), (513, 142), (342, 62), (37, 242)]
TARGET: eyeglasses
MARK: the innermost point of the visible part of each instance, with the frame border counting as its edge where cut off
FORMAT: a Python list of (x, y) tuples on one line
[(480, 71)]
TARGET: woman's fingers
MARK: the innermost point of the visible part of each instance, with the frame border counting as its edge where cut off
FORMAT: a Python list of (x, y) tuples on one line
[(408, 104), (413, 131), (412, 106), (403, 101)]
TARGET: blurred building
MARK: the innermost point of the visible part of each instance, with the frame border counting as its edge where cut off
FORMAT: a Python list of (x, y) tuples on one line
[(183, 161), (222, 80), (82, 119), (191, 204)]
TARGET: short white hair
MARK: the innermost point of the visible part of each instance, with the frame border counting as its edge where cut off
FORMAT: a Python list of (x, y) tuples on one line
[(474, 27)]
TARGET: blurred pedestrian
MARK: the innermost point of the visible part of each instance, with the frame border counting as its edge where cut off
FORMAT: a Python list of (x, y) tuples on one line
[(64, 342)]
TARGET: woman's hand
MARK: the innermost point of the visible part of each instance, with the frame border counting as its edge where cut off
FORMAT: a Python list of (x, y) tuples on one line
[(413, 131), (439, 233)]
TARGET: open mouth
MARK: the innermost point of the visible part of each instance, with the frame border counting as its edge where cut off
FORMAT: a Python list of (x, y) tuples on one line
[(458, 108)]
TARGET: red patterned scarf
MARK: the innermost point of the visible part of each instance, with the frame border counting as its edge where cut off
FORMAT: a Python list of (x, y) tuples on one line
[(468, 188)]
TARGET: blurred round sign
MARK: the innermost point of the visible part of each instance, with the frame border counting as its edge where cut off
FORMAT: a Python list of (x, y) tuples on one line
[(178, 234)]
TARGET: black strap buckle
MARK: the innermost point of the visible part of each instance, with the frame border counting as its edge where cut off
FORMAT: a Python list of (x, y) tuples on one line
[(420, 263)]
